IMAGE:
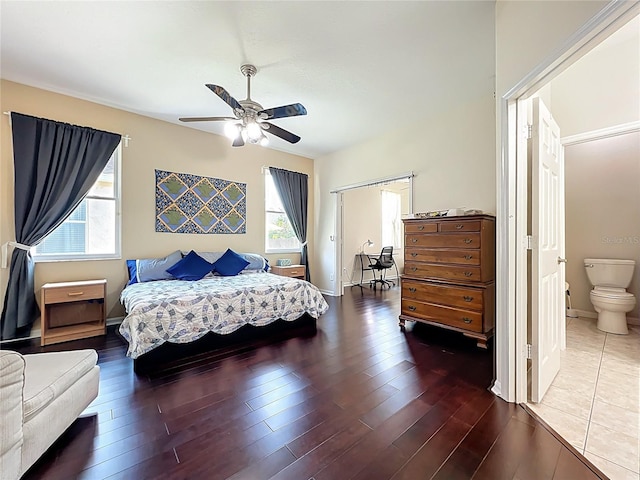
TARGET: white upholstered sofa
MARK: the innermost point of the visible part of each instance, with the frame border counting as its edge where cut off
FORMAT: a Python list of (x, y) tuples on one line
[(40, 397)]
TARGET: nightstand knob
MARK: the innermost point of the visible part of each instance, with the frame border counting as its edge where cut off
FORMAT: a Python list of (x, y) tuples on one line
[(412, 308), (468, 274), (468, 240), (467, 298), (466, 319), (412, 289)]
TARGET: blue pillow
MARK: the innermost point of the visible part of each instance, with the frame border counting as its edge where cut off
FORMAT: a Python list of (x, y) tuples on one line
[(132, 265), (230, 263), (149, 269), (192, 267)]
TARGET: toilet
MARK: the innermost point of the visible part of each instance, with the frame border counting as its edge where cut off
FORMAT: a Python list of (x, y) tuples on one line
[(610, 278)]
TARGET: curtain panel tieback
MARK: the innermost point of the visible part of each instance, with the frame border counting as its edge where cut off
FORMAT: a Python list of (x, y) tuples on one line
[(303, 244), (5, 251)]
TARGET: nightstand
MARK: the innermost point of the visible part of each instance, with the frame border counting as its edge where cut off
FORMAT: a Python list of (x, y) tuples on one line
[(72, 310), (293, 271)]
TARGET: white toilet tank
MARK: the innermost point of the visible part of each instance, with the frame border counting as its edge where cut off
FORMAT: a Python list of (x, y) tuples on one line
[(609, 272)]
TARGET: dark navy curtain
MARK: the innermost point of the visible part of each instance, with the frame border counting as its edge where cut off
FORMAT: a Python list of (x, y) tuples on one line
[(55, 165), (294, 192)]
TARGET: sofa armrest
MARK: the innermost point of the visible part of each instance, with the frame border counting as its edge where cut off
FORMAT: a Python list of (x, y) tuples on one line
[(12, 367)]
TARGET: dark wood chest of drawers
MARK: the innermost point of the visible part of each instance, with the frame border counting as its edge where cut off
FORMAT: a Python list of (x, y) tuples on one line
[(449, 273)]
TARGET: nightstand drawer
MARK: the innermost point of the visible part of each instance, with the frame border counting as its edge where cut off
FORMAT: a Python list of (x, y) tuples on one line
[(73, 293), (292, 271)]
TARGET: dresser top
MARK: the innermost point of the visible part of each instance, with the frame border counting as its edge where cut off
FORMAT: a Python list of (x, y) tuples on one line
[(455, 218)]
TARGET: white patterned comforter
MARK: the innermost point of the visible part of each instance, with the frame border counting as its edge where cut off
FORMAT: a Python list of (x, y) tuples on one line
[(180, 311)]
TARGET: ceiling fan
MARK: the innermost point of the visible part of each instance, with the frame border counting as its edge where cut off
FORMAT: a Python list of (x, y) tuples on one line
[(250, 121)]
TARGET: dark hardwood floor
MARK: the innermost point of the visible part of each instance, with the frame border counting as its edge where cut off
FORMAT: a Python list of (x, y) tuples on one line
[(358, 400)]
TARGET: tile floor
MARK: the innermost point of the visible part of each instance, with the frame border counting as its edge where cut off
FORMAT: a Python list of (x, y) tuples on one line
[(594, 401)]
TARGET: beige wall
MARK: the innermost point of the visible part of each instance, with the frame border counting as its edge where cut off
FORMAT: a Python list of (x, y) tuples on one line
[(600, 90), (602, 209), (529, 32), (451, 153), (154, 144)]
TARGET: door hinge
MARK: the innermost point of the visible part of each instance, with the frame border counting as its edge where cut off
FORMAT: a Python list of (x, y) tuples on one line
[(529, 242), (529, 131), (529, 351)]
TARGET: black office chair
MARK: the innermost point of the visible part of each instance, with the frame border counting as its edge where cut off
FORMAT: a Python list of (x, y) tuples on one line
[(381, 265)]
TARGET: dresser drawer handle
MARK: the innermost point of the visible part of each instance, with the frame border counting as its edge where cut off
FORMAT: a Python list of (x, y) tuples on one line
[(421, 227), (414, 269), (412, 289), (466, 319), (467, 298), (459, 226), (75, 294), (468, 240), (412, 308), (414, 254), (468, 274), (414, 240), (468, 257)]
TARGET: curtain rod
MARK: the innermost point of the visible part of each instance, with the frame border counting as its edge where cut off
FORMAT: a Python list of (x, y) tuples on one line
[(126, 138), (373, 183)]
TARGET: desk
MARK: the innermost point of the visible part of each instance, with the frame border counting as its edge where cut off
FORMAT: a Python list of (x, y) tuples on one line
[(365, 260)]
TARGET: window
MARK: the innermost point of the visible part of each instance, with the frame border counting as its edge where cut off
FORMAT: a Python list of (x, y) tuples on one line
[(280, 236), (92, 231), (391, 219)]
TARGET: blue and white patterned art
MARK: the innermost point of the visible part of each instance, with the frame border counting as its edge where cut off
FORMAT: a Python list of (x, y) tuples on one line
[(188, 203)]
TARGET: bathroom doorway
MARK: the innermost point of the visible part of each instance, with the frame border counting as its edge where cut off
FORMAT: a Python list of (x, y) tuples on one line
[(593, 401)]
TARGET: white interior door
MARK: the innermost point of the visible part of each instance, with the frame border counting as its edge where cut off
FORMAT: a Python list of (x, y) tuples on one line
[(547, 267)]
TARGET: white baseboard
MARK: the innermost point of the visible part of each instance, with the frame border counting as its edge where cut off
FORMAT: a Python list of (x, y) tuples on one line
[(114, 321), (36, 332), (496, 388), (588, 314)]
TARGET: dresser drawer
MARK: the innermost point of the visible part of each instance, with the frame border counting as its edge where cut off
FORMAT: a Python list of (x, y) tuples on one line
[(446, 272), (421, 227), (446, 240), (464, 319), (73, 293), (461, 257), (460, 226), (443, 294)]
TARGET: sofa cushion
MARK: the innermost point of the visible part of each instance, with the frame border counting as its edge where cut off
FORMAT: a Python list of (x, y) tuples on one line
[(47, 375)]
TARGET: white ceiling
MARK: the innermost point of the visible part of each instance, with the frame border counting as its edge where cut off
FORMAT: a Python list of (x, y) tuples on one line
[(360, 68)]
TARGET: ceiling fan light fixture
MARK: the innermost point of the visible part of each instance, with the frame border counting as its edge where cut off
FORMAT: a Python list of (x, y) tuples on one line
[(250, 120), (254, 132), (231, 130)]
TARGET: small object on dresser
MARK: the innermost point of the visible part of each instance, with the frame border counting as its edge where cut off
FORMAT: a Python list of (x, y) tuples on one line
[(283, 262)]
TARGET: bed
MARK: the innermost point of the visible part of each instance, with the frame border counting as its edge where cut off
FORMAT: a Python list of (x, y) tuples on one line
[(179, 312)]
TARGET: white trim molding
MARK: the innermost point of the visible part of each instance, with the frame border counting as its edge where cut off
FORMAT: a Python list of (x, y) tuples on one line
[(609, 132)]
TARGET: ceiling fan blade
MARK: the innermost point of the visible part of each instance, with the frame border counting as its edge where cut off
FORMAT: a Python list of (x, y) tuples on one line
[(225, 96), (206, 119), (238, 141), (281, 132), (292, 110)]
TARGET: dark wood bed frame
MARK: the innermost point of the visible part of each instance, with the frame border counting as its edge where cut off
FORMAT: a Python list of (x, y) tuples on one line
[(178, 356)]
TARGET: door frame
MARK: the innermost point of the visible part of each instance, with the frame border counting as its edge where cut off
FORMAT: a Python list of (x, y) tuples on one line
[(512, 216)]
